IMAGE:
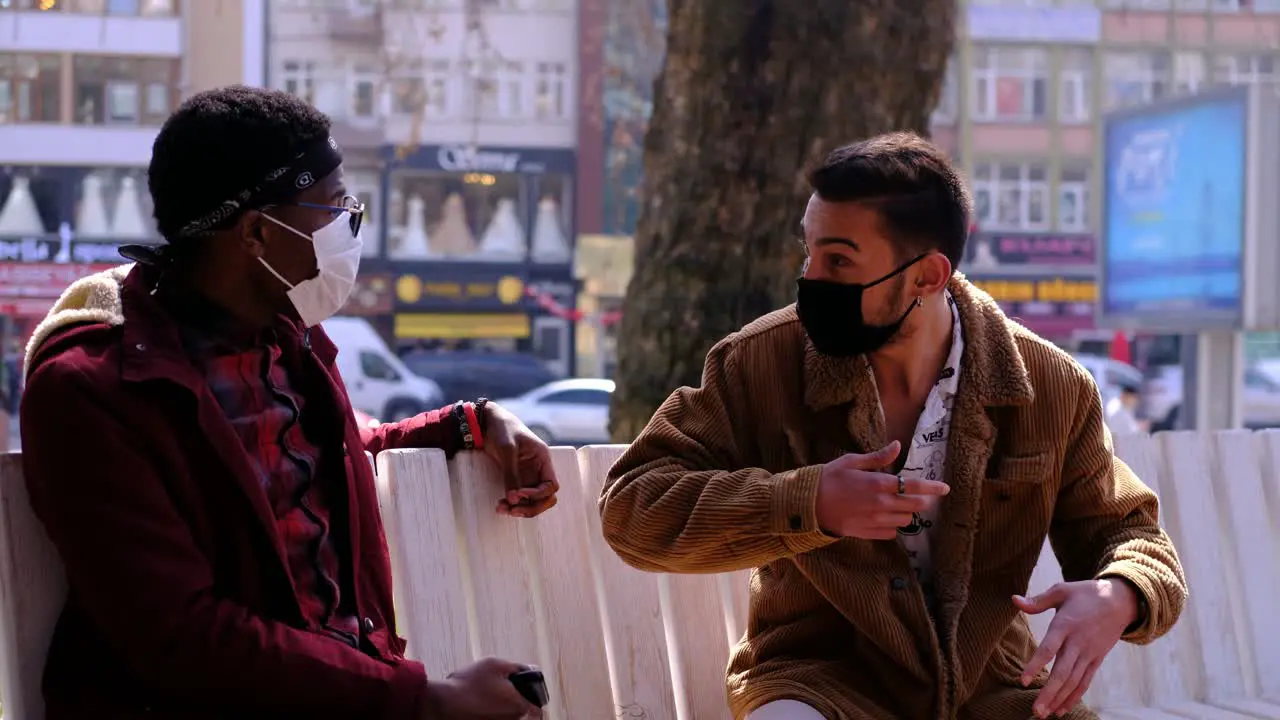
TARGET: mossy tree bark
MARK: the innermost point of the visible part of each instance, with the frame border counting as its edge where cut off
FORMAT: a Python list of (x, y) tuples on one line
[(752, 92)]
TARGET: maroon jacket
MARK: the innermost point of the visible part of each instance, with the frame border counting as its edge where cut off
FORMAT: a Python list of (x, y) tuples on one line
[(180, 602)]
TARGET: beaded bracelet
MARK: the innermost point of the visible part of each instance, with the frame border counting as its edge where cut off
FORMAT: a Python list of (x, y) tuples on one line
[(464, 427)]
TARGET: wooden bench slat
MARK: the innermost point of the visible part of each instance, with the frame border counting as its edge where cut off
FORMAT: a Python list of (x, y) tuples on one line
[(1193, 523), (422, 534), (573, 657), (33, 590), (635, 637)]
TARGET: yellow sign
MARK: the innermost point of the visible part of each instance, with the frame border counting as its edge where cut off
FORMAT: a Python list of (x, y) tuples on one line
[(1053, 290), (411, 289), (459, 326)]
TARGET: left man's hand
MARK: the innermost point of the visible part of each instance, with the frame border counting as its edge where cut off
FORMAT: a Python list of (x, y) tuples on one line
[(1091, 616), (525, 462)]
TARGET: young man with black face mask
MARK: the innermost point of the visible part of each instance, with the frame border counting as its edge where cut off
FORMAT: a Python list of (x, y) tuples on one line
[(889, 454), (190, 448)]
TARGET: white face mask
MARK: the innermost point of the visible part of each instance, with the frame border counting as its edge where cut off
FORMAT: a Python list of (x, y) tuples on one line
[(338, 259)]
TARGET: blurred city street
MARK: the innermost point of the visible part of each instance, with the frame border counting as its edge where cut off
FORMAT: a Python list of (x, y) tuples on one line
[(498, 149)]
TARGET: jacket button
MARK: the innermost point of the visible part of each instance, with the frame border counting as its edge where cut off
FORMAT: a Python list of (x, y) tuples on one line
[(898, 584), (368, 625)]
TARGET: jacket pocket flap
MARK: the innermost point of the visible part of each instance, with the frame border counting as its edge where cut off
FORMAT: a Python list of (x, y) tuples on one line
[(1023, 469)]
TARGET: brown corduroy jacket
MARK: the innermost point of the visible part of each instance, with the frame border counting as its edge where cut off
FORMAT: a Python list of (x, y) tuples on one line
[(725, 477)]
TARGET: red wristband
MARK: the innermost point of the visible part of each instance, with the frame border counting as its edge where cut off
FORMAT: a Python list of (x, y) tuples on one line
[(473, 423)]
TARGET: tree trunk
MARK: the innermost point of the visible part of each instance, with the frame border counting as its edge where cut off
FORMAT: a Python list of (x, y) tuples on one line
[(752, 92)]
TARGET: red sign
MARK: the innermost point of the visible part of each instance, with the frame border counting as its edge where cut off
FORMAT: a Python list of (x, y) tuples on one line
[(42, 280)]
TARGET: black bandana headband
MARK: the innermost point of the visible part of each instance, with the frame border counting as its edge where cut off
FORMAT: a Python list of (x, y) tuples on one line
[(314, 162)]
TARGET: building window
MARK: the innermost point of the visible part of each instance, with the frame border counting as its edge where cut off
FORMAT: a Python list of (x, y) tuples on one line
[(1075, 89), (423, 87), (36, 5), (1136, 4), (438, 79), (1073, 198), (30, 88), (948, 101), (1011, 196), (510, 79), (551, 90), (299, 78), (1009, 84), (1136, 78), (1190, 73), (497, 89), (482, 88), (364, 90), (1247, 69), (123, 90), (408, 93), (161, 8)]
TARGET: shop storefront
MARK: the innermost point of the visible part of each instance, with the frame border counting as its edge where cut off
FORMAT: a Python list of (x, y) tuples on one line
[(58, 224), (1046, 281), (503, 307), (1052, 306), (479, 243), (29, 289)]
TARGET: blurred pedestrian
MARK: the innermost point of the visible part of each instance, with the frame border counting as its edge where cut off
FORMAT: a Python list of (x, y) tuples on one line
[(1122, 411)]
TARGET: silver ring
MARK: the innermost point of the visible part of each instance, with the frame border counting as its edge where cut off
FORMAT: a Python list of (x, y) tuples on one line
[(902, 486)]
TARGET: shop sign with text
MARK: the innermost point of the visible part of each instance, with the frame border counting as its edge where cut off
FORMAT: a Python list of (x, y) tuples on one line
[(42, 280), (992, 250), (1051, 306), (460, 287), (463, 158), (49, 249)]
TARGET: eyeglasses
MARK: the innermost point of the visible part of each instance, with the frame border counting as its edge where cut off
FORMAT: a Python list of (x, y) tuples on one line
[(350, 204)]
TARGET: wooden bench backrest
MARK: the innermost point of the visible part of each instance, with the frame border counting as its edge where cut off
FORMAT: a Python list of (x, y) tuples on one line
[(33, 590), (616, 642)]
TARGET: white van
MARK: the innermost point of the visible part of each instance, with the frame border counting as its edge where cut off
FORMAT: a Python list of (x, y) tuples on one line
[(378, 382)]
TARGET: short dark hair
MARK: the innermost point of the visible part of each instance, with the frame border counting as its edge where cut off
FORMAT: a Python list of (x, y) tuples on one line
[(221, 142), (921, 199)]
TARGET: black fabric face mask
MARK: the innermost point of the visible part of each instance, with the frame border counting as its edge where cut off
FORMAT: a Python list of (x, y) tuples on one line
[(831, 314)]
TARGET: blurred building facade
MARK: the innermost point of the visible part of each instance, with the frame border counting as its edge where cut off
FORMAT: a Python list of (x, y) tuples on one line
[(84, 88), (1022, 112), (458, 122)]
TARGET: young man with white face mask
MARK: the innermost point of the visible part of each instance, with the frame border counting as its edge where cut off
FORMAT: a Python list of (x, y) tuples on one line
[(191, 450)]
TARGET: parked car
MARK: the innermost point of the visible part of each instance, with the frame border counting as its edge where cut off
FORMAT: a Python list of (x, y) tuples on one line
[(470, 375), (1110, 375), (566, 412), (1163, 397), (378, 382)]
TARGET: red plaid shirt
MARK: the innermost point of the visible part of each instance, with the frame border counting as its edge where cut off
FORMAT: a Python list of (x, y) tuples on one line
[(252, 385)]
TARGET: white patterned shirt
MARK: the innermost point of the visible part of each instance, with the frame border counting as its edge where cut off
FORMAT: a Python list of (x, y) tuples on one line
[(927, 456)]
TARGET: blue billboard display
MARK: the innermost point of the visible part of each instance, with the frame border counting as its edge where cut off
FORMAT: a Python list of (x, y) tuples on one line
[(1174, 212)]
